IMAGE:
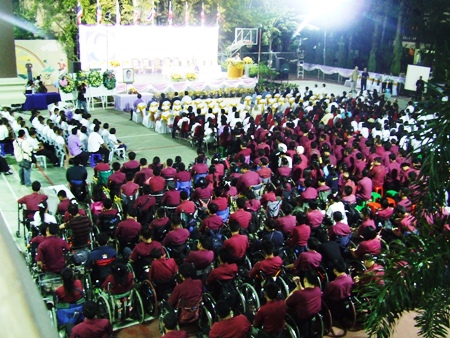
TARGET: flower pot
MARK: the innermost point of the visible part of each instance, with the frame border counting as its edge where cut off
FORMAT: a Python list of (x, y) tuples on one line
[(235, 72)]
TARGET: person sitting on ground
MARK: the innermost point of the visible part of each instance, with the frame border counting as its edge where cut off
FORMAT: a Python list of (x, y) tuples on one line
[(229, 326), (92, 327)]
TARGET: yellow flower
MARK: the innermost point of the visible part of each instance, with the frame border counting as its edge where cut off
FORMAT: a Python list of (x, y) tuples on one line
[(247, 60)]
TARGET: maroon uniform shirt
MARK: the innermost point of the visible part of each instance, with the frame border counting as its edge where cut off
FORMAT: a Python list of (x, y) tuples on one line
[(200, 258), (235, 327), (163, 269), (309, 260), (176, 237), (222, 203), (188, 207), (143, 250), (265, 172), (176, 334), (190, 291), (271, 316), (315, 218), (242, 217), (364, 190), (339, 289), (212, 222), (171, 198), (306, 303), (168, 172), (199, 168), (286, 224), (51, 254), (92, 328), (117, 178), (339, 229), (223, 272), (247, 180), (156, 183), (32, 201), (128, 230), (372, 246), (377, 174), (269, 266), (237, 244), (129, 189), (117, 289), (130, 165), (300, 235), (183, 176)]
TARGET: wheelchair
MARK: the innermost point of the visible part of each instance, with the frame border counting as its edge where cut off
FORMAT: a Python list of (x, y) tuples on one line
[(314, 327), (48, 283), (122, 310), (24, 219)]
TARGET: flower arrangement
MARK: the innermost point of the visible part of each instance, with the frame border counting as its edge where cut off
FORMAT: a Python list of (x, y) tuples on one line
[(66, 83), (109, 79), (81, 77), (191, 76), (132, 91), (94, 79), (239, 64), (248, 60), (114, 63), (176, 77)]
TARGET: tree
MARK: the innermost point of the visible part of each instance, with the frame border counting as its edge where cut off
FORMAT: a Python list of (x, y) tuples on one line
[(417, 275)]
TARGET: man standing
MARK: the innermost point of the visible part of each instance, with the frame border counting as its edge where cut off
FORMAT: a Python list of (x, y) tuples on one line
[(82, 103), (420, 84), (354, 78), (364, 77), (29, 67), (23, 151)]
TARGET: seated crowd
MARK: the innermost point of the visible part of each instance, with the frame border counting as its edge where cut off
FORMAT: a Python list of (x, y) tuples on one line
[(328, 179)]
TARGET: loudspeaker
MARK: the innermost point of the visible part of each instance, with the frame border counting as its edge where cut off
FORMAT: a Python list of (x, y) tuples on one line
[(76, 66)]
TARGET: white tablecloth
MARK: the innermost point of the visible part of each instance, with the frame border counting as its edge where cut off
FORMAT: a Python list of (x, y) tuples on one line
[(125, 102), (52, 192)]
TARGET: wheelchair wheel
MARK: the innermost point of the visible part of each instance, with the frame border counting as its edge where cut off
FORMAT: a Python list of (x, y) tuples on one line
[(104, 309), (355, 268), (148, 295), (250, 296), (52, 315), (205, 321), (164, 308), (288, 256), (283, 286), (136, 307), (317, 326), (88, 286), (292, 325), (350, 314), (289, 331), (327, 319), (257, 256)]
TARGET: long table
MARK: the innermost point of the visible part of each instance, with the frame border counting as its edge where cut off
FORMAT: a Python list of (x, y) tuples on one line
[(124, 102), (40, 100)]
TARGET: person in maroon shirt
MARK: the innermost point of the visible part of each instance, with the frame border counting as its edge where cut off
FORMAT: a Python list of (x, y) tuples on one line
[(131, 165), (270, 265), (229, 326), (203, 191), (314, 216), (32, 200), (115, 180), (182, 175), (405, 223), (186, 206), (203, 256), (270, 316), (377, 173), (374, 272), (367, 221), (178, 235), (308, 260), (269, 195), (159, 225), (247, 179), (300, 234), (144, 174), (364, 189), (224, 272), (92, 327), (140, 256), (156, 183), (163, 269), (121, 279), (242, 216), (305, 301), (101, 166), (212, 221), (64, 202), (200, 167), (189, 292), (220, 200), (50, 257), (127, 232), (359, 166), (171, 197), (265, 172), (404, 201), (284, 170), (310, 192), (370, 245), (130, 188), (392, 181), (168, 172), (338, 290), (145, 205), (237, 244), (286, 223), (72, 290), (170, 323)]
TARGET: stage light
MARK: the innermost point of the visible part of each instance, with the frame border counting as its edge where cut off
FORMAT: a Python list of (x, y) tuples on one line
[(25, 25)]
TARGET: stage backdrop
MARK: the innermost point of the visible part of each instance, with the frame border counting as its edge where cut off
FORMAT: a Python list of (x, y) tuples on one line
[(101, 45)]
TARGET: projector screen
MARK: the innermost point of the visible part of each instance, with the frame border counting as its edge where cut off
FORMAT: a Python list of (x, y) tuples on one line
[(412, 75), (102, 44)]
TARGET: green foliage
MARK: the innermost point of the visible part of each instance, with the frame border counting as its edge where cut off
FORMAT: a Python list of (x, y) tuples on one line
[(422, 283)]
